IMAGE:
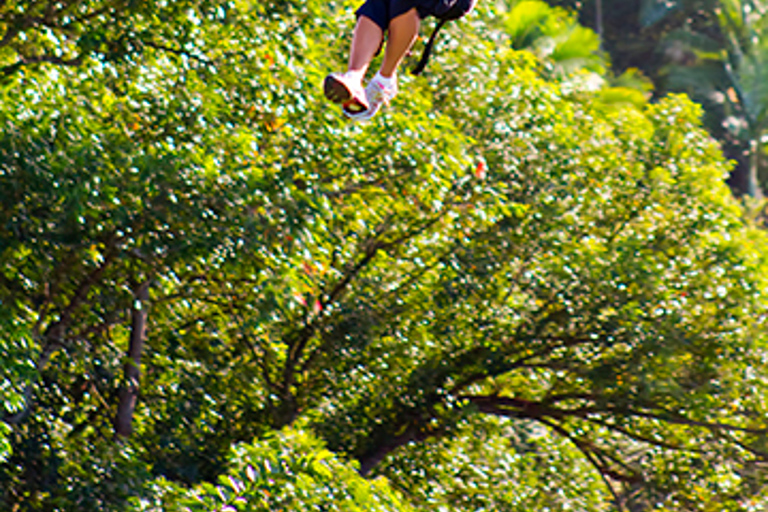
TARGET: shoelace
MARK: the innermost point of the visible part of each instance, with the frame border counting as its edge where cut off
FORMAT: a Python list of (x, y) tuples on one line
[(381, 93)]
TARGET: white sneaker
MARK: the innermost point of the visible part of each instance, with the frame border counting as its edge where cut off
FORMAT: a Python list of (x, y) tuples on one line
[(377, 93), (340, 88)]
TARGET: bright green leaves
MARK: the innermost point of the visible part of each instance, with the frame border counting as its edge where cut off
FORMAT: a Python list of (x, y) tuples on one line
[(289, 470), (17, 370), (497, 465), (495, 242), (553, 34), (722, 61)]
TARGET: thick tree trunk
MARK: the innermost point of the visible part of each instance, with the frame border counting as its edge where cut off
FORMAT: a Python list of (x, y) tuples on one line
[(130, 391), (372, 459)]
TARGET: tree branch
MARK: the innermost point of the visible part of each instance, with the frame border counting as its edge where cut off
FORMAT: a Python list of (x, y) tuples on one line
[(601, 470), (51, 59), (373, 246), (55, 334), (645, 439), (520, 407), (374, 457), (412, 433), (130, 391)]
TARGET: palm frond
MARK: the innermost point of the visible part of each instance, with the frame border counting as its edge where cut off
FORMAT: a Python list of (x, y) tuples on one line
[(524, 21), (753, 78), (698, 81), (578, 45), (691, 41)]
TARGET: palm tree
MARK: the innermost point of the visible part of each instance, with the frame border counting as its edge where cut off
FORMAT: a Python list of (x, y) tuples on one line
[(715, 50), (722, 63), (554, 34), (745, 61)]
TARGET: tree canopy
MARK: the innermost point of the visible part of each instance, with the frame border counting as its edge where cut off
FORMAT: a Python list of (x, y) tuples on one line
[(507, 292)]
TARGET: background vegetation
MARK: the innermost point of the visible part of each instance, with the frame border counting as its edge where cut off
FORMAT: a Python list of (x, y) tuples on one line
[(526, 285)]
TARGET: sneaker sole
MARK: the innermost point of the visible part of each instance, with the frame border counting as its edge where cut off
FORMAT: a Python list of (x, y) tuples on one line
[(361, 115), (338, 92), (335, 90)]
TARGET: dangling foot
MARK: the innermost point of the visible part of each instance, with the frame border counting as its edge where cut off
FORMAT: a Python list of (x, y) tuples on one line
[(380, 91), (340, 88)]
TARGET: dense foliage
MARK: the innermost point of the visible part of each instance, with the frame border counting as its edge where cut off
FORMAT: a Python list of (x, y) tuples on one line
[(507, 292), (713, 50)]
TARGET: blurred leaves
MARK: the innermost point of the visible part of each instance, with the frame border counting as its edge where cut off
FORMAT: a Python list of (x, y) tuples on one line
[(520, 245)]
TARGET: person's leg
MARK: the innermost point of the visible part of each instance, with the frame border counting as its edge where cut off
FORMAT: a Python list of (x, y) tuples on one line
[(366, 41), (346, 88), (403, 31)]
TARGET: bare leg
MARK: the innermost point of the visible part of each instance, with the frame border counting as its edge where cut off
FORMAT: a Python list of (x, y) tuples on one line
[(403, 32), (366, 41), (347, 89)]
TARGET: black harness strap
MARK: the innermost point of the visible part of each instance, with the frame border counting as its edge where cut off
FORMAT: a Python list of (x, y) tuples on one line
[(446, 10), (428, 48)]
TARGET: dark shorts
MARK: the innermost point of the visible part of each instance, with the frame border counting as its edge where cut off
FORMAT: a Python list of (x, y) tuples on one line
[(382, 12)]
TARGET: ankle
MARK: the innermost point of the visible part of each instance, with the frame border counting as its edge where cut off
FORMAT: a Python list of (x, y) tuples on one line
[(386, 81)]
